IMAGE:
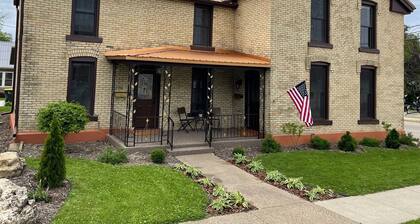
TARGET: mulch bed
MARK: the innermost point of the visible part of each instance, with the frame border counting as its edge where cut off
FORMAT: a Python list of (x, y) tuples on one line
[(45, 211), (6, 134), (299, 193)]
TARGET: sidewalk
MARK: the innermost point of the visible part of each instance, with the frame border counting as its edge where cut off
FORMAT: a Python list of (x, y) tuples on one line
[(395, 206), (274, 205)]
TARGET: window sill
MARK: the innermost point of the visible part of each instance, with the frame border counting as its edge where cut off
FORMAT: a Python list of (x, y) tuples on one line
[(368, 121), (323, 123), (320, 45), (93, 118), (202, 48), (81, 38), (369, 50)]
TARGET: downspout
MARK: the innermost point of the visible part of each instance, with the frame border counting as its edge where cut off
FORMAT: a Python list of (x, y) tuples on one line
[(17, 94)]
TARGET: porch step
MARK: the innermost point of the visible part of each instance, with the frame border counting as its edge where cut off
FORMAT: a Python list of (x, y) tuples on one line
[(191, 150)]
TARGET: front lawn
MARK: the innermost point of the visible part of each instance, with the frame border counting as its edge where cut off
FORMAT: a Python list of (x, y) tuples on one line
[(102, 193), (414, 222), (350, 173)]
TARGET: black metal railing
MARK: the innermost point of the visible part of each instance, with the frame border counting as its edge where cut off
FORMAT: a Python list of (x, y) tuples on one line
[(149, 131), (234, 126), (170, 133), (119, 126), (208, 133)]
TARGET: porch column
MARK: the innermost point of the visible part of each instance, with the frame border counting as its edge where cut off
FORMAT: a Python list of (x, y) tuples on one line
[(130, 111), (261, 132), (166, 99)]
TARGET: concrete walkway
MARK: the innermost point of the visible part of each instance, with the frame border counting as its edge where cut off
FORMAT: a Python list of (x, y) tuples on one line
[(274, 205), (395, 206)]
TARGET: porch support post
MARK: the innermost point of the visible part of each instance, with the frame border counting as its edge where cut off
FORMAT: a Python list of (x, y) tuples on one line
[(130, 100), (210, 99), (261, 132), (111, 120), (166, 98)]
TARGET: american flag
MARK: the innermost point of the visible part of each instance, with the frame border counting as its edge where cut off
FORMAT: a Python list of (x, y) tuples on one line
[(300, 98)]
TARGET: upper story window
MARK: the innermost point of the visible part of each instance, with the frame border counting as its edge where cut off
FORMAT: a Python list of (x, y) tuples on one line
[(85, 21), (368, 95), (319, 92), (82, 82), (368, 25), (203, 26), (320, 21)]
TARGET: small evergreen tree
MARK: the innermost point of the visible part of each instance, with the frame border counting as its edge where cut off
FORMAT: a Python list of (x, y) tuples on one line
[(347, 143), (52, 170), (392, 140)]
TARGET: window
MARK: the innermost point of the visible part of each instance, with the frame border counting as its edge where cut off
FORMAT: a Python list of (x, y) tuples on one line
[(368, 94), (320, 21), (8, 81), (368, 25), (82, 82), (319, 92), (85, 17), (203, 26)]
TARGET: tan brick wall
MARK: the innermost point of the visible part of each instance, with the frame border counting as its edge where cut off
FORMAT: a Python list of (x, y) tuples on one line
[(292, 57), (277, 29)]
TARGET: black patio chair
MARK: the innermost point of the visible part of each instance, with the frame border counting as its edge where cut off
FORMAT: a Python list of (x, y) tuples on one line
[(184, 120)]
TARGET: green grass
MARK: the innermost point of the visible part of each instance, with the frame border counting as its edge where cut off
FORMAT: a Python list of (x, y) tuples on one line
[(5, 108), (350, 173), (103, 193), (414, 222)]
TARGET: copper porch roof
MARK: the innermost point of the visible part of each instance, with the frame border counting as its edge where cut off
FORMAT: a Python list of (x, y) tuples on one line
[(184, 55)]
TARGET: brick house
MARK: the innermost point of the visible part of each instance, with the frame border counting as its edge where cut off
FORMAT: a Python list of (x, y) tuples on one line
[(138, 64)]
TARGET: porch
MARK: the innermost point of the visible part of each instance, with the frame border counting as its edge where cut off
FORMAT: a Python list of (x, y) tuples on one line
[(184, 103)]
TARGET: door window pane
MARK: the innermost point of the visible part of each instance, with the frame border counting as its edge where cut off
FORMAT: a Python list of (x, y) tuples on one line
[(145, 87), (319, 92), (81, 84)]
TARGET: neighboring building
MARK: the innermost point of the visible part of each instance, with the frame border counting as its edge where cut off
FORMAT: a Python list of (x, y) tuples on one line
[(135, 64), (6, 64)]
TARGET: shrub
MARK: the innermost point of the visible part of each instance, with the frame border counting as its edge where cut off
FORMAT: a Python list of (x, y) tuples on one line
[(113, 157), (392, 140), (158, 156), (52, 170), (319, 143), (408, 139), (370, 142), (238, 150), (256, 166), (269, 145), (347, 143), (240, 159), (39, 194), (386, 126), (294, 130), (70, 117), (294, 183), (275, 176)]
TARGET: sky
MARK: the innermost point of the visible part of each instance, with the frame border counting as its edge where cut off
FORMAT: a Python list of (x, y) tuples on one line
[(8, 10)]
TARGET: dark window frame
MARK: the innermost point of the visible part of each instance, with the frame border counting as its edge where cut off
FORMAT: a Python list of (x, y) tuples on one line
[(91, 112), (366, 120), (85, 38), (326, 120), (372, 48), (327, 22), (196, 46)]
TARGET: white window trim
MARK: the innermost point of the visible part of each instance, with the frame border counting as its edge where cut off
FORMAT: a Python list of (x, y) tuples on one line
[(3, 78)]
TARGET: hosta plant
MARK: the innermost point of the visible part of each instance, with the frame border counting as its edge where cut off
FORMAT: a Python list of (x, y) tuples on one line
[(238, 199), (206, 182), (240, 159), (256, 166), (294, 183), (193, 172), (219, 191), (315, 193), (275, 176), (180, 167), (220, 204)]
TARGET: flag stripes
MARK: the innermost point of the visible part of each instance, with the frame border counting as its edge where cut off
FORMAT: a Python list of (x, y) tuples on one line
[(300, 98)]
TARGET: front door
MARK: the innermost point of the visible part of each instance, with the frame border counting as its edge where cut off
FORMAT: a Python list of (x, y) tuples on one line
[(252, 100), (199, 91), (147, 94)]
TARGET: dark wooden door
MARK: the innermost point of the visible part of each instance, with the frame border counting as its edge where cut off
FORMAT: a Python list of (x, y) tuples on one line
[(199, 91), (252, 100), (147, 93)]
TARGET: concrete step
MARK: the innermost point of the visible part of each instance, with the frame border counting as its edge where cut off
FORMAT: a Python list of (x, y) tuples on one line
[(191, 150)]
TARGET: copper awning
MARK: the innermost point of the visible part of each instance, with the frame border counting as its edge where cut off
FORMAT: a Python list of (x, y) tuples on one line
[(184, 55)]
